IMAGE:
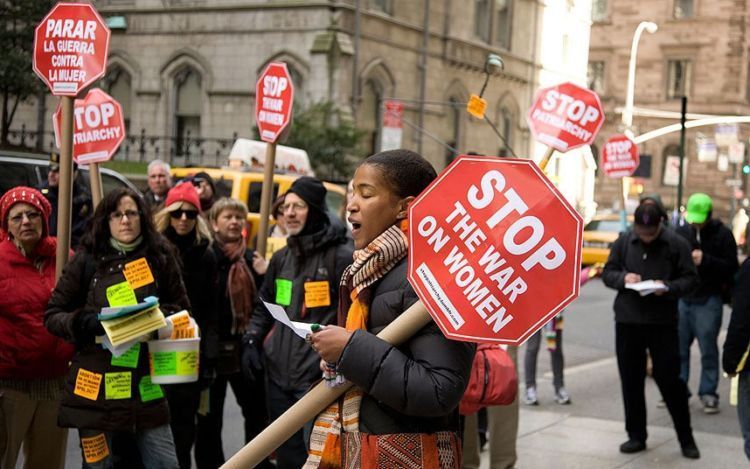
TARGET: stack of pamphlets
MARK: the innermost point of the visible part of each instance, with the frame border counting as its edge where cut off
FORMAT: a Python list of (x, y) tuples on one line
[(125, 324), (647, 287)]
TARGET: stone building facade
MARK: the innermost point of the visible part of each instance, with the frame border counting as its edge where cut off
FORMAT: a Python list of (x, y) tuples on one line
[(702, 50)]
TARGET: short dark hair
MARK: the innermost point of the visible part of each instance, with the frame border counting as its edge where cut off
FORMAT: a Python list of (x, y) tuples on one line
[(648, 214), (406, 171)]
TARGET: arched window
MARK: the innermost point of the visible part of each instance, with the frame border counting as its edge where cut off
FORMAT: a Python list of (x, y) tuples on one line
[(453, 126), (299, 85), (187, 106), (118, 84), (370, 114), (506, 130)]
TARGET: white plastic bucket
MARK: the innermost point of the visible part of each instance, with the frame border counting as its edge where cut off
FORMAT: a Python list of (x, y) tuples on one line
[(174, 361)]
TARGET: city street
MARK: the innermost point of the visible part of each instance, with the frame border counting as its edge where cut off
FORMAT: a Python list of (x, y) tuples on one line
[(586, 433)]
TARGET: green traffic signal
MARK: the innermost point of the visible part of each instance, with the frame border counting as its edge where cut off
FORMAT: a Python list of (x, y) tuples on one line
[(746, 169)]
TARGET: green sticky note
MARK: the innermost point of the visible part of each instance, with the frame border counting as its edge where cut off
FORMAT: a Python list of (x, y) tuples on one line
[(164, 363), (187, 363), (283, 292), (121, 294), (128, 359), (117, 385), (149, 391)]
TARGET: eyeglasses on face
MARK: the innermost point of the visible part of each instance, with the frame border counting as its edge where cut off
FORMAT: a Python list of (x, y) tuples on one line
[(31, 215), (190, 214), (117, 216), (296, 206)]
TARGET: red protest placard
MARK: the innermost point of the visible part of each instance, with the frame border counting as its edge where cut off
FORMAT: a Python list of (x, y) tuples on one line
[(98, 127), (274, 96), (620, 157), (495, 249), (566, 116), (70, 48)]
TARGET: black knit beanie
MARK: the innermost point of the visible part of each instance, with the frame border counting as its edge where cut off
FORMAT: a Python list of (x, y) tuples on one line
[(313, 192)]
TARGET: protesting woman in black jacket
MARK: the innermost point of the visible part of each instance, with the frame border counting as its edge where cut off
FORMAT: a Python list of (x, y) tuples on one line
[(407, 394), (107, 396), (181, 224)]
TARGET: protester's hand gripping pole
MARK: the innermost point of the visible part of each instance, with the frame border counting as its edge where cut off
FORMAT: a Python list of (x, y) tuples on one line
[(321, 396)]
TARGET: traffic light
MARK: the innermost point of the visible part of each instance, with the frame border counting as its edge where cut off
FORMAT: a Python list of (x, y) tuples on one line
[(746, 168)]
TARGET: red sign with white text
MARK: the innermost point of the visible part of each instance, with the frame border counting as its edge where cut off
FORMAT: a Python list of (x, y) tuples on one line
[(620, 157), (70, 48), (274, 96), (566, 116), (98, 127), (495, 249)]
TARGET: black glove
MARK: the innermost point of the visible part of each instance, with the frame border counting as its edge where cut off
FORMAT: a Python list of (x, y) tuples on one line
[(252, 365), (86, 326)]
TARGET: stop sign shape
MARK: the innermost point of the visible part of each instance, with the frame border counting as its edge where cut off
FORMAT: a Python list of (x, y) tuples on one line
[(274, 95), (495, 250), (566, 116), (98, 127), (70, 48), (620, 157)]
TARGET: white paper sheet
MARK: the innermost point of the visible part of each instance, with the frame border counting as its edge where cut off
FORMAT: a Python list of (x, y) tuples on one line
[(647, 287), (300, 328)]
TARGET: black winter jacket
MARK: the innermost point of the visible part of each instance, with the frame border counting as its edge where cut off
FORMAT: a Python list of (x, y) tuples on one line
[(719, 264), (76, 294), (738, 332), (291, 363), (413, 388), (200, 275), (667, 258)]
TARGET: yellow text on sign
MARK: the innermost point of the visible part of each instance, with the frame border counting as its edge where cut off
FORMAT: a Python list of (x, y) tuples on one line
[(138, 273), (87, 384), (95, 448), (317, 294), (476, 106)]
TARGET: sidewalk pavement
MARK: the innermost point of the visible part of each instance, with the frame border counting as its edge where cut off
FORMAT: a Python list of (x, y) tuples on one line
[(558, 440)]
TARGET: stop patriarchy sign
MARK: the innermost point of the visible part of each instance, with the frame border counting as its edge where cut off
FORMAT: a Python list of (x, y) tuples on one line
[(566, 116), (274, 95), (620, 157), (495, 250), (98, 127), (70, 48)]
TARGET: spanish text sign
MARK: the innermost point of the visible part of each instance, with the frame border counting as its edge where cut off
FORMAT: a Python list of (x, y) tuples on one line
[(495, 249)]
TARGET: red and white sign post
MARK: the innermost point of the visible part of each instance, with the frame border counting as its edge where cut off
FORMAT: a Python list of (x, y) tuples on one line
[(620, 157), (70, 53), (98, 130), (495, 250), (565, 117), (274, 97)]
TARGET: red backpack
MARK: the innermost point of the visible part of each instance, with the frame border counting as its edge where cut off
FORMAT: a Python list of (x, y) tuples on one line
[(493, 380)]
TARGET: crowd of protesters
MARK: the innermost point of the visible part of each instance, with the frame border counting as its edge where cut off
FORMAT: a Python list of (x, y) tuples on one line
[(348, 277)]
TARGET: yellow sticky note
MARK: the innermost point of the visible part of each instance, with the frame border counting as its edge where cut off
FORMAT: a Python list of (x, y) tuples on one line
[(317, 294), (476, 106), (187, 363), (95, 448), (117, 385), (138, 273), (121, 294), (87, 384)]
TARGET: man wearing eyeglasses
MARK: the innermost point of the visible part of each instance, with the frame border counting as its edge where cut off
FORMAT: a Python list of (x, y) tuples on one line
[(303, 277)]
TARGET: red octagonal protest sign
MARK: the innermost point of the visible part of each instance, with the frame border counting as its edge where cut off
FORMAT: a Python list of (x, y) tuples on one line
[(620, 157), (98, 127), (70, 48), (274, 96), (495, 250), (566, 116)]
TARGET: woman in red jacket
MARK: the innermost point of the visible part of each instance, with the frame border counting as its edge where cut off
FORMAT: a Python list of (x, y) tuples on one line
[(33, 362)]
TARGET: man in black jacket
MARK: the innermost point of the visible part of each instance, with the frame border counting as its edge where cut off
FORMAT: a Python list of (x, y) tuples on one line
[(736, 346), (714, 253), (303, 277), (649, 322)]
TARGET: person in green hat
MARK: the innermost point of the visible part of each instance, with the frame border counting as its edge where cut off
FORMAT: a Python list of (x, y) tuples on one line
[(714, 253)]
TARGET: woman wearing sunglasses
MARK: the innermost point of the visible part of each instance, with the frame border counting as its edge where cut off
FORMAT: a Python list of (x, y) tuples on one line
[(180, 223), (122, 260)]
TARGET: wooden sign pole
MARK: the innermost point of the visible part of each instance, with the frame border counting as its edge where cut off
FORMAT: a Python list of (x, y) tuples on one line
[(265, 199), (65, 187)]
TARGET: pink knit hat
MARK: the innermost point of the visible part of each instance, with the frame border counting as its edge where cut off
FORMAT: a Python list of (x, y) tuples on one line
[(183, 192), (28, 195)]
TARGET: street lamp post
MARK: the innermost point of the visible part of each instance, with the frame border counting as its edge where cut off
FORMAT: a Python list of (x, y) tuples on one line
[(627, 112)]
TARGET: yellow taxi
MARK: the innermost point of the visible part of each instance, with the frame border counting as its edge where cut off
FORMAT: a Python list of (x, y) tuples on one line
[(599, 235), (246, 186)]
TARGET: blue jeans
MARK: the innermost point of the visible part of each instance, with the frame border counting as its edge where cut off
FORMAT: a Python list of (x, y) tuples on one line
[(743, 409), (155, 445), (701, 321)]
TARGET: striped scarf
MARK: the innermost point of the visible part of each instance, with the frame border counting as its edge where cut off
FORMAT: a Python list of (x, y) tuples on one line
[(370, 265)]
